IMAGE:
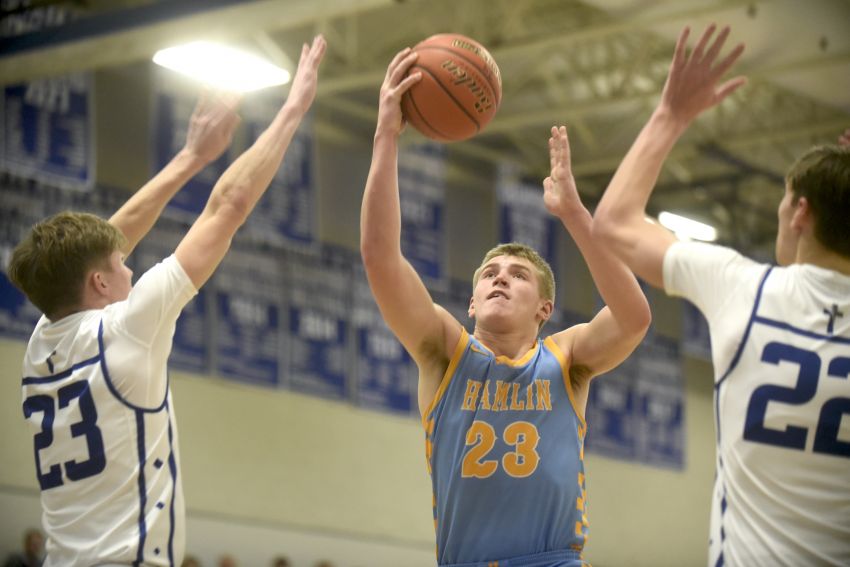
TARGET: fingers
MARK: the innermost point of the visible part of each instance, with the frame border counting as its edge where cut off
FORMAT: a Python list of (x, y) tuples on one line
[(697, 54), (559, 147), (715, 48), (729, 87), (408, 82), (681, 47), (844, 139), (401, 68), (729, 60), (395, 62)]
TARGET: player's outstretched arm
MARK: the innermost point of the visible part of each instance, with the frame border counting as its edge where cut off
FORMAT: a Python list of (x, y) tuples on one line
[(616, 330), (210, 132), (404, 301), (243, 183), (693, 86)]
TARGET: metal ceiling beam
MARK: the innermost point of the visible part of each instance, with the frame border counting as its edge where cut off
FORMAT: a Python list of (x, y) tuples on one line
[(84, 45)]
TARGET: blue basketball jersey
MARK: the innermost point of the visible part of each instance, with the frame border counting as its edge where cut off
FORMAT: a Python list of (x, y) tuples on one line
[(505, 449)]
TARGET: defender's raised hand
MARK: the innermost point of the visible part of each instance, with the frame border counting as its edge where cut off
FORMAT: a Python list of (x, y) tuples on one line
[(303, 89), (692, 84), (560, 194), (212, 125)]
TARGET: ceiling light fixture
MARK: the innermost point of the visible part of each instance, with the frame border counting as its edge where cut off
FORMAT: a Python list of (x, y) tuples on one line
[(221, 66), (686, 228)]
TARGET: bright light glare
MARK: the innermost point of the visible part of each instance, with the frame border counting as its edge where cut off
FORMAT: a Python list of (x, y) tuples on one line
[(221, 66), (688, 228)]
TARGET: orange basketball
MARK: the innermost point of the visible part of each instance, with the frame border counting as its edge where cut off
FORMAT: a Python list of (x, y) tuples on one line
[(460, 90)]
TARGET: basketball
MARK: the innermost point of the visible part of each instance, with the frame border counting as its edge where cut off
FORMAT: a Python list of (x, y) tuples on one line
[(460, 90)]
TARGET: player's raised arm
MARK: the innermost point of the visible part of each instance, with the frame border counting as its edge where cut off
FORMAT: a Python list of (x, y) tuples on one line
[(244, 182), (693, 86), (618, 328), (403, 299), (210, 132)]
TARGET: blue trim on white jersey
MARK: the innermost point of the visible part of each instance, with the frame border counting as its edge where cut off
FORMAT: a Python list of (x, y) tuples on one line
[(111, 386), (172, 467), (740, 350), (64, 374), (140, 438), (732, 365), (802, 332)]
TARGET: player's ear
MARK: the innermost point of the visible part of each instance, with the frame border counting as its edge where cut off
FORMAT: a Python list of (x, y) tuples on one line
[(802, 216), (97, 282), (471, 310), (545, 309)]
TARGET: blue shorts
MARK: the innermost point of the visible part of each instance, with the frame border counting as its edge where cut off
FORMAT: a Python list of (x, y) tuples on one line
[(564, 558)]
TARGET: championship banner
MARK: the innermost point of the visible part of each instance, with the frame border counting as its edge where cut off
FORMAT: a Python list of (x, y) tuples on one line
[(523, 216), (386, 374), (172, 109), (286, 214), (422, 190), (696, 339), (248, 333), (190, 349), (319, 309), (48, 132), (660, 404), (636, 412)]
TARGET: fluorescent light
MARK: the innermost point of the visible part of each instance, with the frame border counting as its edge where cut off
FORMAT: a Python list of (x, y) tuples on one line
[(221, 66), (688, 228)]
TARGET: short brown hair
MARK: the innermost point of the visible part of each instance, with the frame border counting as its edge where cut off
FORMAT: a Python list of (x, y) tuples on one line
[(545, 278), (51, 263), (822, 176)]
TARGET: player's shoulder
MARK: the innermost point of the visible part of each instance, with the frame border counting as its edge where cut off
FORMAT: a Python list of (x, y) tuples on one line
[(712, 257)]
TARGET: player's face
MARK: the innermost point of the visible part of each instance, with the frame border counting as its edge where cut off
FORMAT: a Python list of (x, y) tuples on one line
[(119, 278), (507, 295), (786, 237)]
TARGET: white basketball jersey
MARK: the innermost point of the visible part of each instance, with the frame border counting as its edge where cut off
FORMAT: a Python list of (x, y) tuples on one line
[(96, 396), (781, 350)]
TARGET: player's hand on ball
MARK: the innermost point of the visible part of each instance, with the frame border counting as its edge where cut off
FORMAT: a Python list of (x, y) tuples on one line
[(396, 83), (560, 194)]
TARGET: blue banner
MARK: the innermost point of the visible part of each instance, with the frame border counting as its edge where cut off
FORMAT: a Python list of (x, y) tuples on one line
[(696, 339), (320, 298), (249, 336), (172, 110), (192, 337), (286, 214), (523, 216), (48, 132), (636, 412), (386, 374), (422, 188)]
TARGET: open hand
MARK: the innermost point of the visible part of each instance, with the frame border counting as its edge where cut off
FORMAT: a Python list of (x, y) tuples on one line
[(692, 84), (212, 125), (559, 189), (304, 84)]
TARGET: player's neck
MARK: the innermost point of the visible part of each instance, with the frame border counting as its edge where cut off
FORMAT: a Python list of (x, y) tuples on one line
[(811, 252), (512, 344)]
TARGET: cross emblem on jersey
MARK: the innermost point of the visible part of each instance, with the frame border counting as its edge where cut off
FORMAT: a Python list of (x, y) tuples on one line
[(832, 314)]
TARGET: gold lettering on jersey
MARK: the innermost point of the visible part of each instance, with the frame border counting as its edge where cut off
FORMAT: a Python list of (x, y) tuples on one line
[(507, 396), (544, 398), (473, 389), (501, 401), (516, 406)]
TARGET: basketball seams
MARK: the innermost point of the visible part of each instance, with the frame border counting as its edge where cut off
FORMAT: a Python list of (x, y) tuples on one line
[(421, 118), (457, 103), (468, 60)]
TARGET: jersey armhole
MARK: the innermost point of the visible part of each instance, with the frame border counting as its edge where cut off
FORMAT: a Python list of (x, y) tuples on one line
[(565, 375), (460, 348)]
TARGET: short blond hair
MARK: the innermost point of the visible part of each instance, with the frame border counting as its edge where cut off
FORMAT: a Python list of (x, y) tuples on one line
[(50, 265), (545, 278)]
